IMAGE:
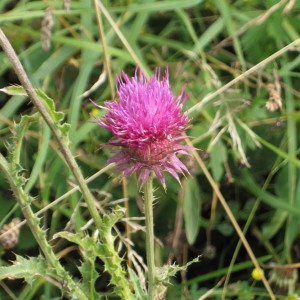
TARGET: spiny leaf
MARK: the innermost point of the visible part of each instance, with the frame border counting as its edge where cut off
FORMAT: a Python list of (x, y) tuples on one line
[(29, 269), (18, 133), (87, 269), (57, 116), (89, 275), (49, 103), (165, 272), (15, 170), (76, 238), (111, 219), (17, 90), (105, 250)]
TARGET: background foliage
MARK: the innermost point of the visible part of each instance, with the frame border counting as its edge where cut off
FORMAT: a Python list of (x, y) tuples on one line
[(250, 149)]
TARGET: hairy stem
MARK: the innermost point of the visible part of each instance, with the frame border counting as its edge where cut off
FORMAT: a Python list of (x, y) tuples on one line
[(123, 289), (5, 44), (33, 222), (148, 198)]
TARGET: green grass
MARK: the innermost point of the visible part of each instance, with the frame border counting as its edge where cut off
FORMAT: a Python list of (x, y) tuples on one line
[(225, 53)]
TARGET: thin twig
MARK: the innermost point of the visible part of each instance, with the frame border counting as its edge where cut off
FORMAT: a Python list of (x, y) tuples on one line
[(40, 236), (122, 287), (241, 77), (121, 37), (209, 292), (64, 148), (58, 200), (231, 217), (105, 51), (258, 20)]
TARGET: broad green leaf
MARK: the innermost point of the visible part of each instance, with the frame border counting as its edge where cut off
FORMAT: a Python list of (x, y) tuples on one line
[(192, 209), (225, 228), (279, 217), (270, 228), (218, 154), (282, 185), (266, 197)]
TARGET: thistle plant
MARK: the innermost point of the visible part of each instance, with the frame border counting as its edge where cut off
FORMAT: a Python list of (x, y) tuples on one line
[(147, 126), (11, 170), (242, 73)]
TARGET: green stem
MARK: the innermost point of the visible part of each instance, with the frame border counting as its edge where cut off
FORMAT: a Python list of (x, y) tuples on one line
[(148, 197), (124, 289), (292, 171), (65, 150), (33, 222)]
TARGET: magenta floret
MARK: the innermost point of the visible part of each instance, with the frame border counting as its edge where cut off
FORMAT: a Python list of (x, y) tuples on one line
[(147, 126)]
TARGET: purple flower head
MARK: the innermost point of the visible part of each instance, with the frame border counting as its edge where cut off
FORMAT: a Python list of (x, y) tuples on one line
[(147, 125)]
